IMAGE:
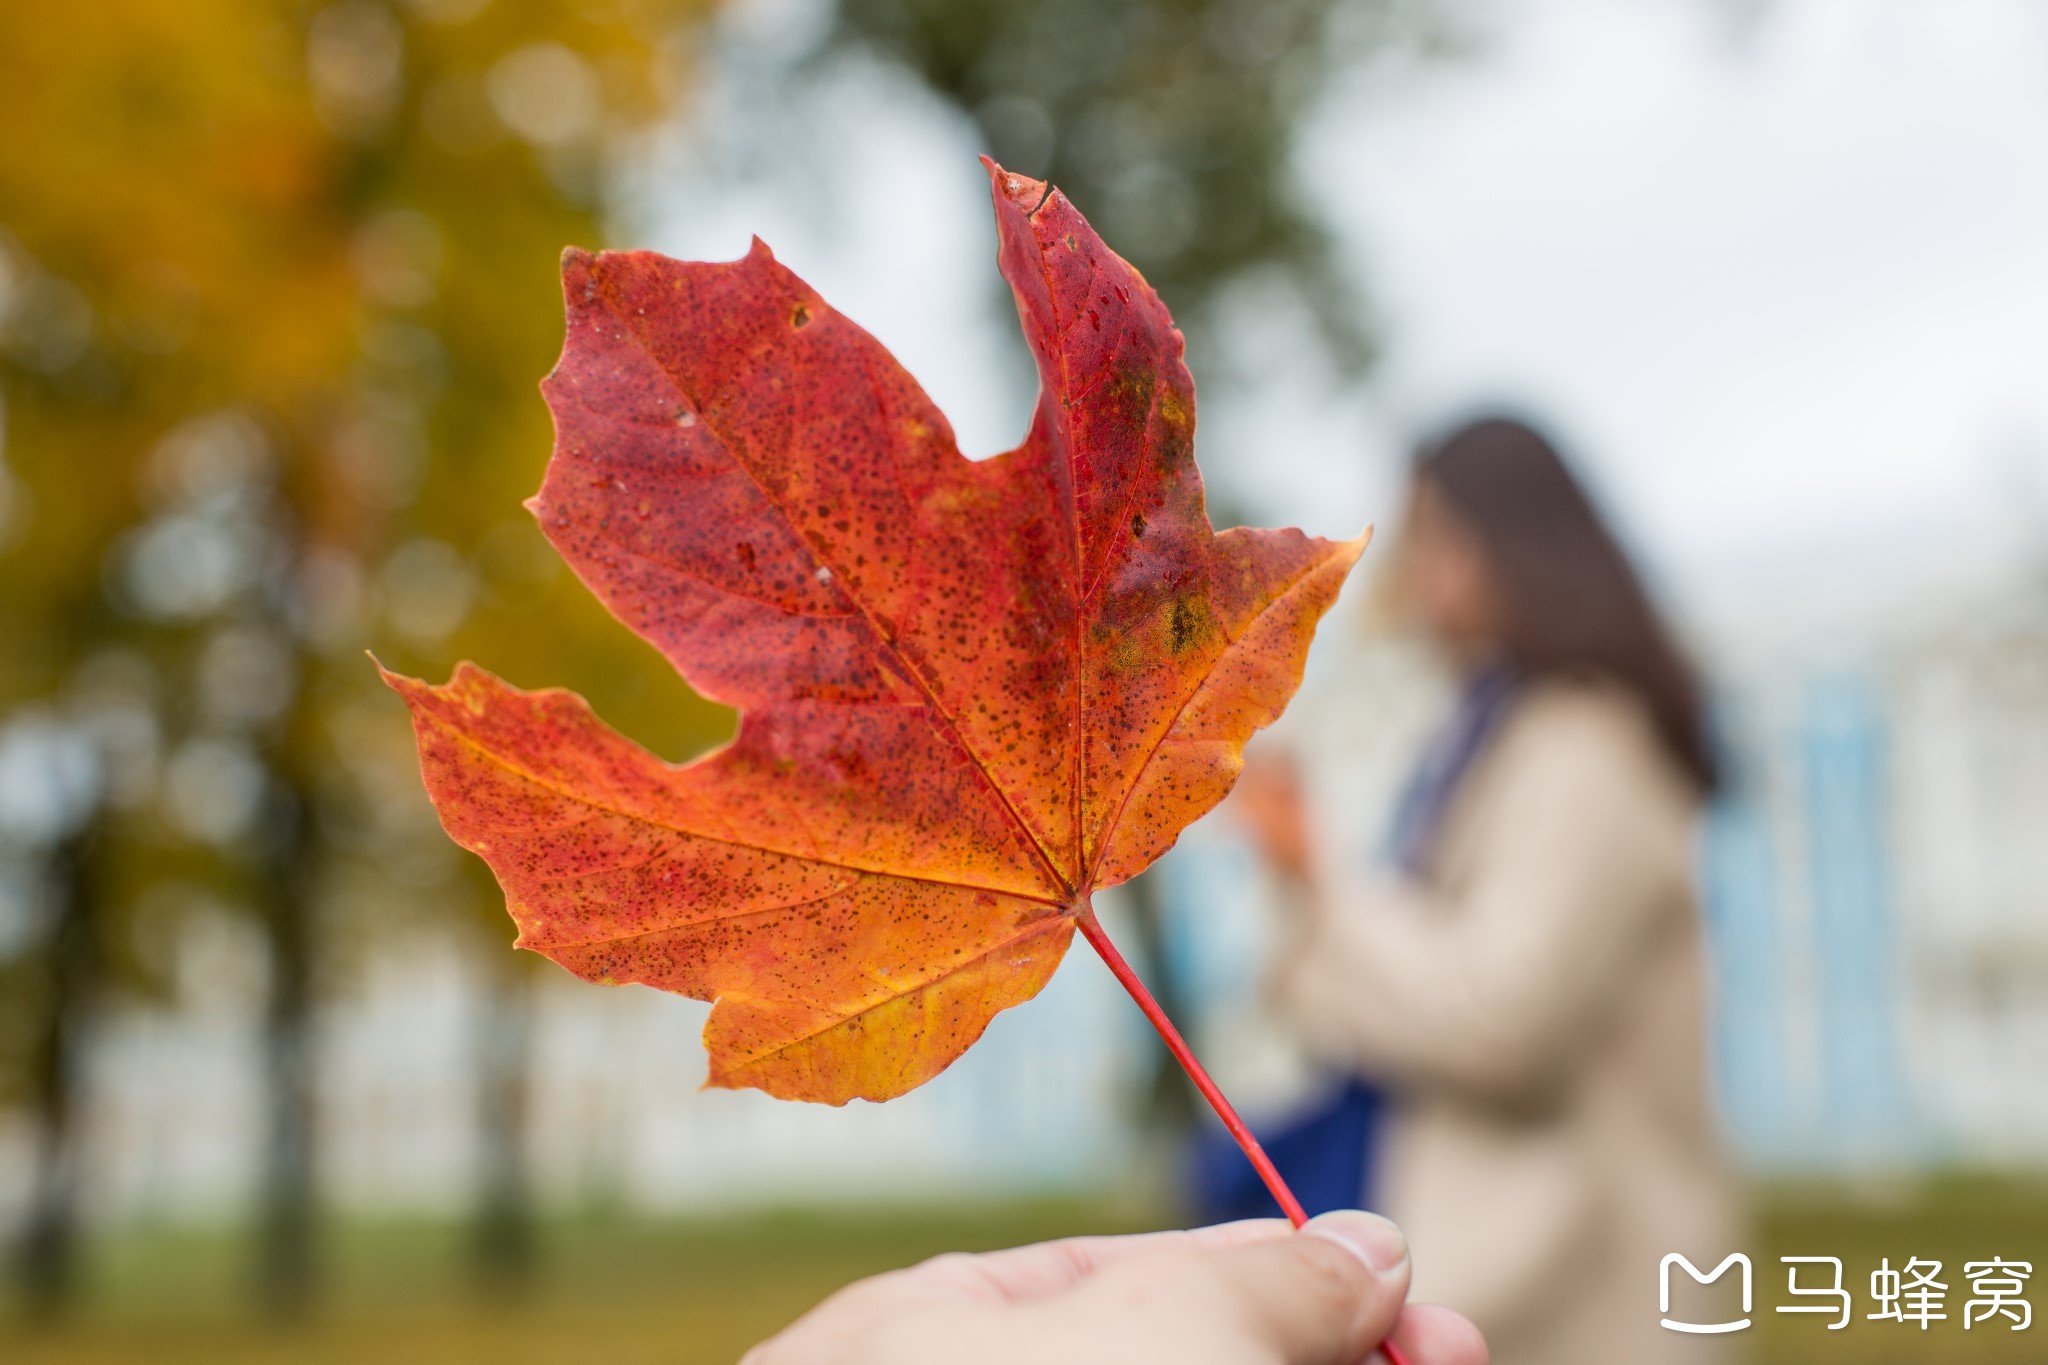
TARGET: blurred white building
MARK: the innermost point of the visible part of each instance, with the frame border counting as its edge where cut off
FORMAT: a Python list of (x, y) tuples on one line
[(173, 1113), (1878, 895)]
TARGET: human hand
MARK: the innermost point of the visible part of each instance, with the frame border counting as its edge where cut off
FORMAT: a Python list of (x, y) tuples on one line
[(1251, 1293), (1269, 804)]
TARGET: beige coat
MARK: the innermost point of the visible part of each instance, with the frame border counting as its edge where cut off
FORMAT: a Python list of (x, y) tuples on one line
[(1538, 1010)]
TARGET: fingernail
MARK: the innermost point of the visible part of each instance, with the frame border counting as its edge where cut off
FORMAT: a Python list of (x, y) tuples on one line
[(1367, 1236)]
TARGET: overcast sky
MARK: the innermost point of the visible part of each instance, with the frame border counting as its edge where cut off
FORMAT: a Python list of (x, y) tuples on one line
[(1790, 296), (1784, 290)]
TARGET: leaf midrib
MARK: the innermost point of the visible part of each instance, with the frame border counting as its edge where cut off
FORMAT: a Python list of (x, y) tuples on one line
[(915, 674)]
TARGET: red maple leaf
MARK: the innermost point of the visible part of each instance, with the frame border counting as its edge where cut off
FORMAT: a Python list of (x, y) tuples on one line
[(971, 693)]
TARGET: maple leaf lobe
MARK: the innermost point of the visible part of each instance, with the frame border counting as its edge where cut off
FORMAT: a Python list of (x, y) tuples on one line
[(971, 692)]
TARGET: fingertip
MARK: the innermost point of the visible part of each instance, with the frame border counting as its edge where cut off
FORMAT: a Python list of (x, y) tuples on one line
[(1371, 1238), (1430, 1334)]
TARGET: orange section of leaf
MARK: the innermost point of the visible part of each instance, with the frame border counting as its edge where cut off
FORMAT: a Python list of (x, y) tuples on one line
[(971, 693)]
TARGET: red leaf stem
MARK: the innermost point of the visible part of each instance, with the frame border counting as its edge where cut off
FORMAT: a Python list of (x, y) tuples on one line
[(1091, 929)]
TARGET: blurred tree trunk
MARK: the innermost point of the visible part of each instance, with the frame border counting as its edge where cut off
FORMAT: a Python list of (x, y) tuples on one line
[(504, 1244), (285, 1252), (49, 1243)]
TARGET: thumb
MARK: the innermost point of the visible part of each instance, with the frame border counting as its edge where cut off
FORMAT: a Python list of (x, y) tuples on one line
[(1324, 1296)]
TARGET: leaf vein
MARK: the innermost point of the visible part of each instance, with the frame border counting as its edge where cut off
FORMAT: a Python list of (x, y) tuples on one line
[(1031, 930), (637, 817)]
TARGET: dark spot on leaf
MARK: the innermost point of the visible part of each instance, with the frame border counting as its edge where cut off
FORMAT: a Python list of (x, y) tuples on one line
[(1172, 449), (800, 317), (1137, 526), (746, 553), (1182, 628)]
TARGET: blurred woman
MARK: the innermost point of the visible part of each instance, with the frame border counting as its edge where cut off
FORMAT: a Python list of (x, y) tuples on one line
[(1529, 985)]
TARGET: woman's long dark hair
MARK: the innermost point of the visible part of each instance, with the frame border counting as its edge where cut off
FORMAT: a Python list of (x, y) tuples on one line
[(1571, 603)]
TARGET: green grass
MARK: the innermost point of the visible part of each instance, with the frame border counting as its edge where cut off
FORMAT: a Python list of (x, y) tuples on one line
[(622, 1291), (685, 1292)]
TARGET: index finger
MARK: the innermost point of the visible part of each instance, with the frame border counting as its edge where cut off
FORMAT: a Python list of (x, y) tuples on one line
[(1029, 1272)]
